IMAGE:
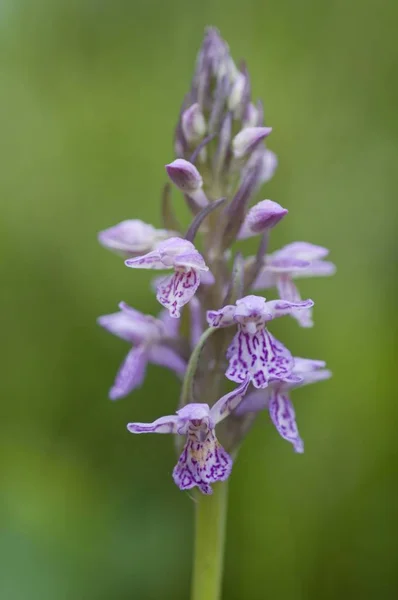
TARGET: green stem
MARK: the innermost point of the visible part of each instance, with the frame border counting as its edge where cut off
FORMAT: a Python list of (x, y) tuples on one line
[(211, 512), (187, 384)]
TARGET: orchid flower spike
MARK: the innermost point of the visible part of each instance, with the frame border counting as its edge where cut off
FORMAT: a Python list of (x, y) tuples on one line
[(203, 460), (148, 336), (299, 259), (177, 289), (254, 352)]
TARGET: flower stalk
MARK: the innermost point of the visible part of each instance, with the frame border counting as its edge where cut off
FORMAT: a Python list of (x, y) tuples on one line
[(210, 525)]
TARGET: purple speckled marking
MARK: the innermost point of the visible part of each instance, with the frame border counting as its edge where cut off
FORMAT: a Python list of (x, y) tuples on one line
[(178, 289), (287, 290), (201, 462), (257, 355), (283, 417), (152, 260)]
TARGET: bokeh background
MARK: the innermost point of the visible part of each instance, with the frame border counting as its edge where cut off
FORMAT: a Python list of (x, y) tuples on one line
[(89, 94)]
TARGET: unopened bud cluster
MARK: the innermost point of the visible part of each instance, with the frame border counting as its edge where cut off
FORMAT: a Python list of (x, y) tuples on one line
[(221, 161)]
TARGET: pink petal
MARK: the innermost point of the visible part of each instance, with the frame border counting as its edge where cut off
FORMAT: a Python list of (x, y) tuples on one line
[(131, 374), (192, 260), (221, 318), (151, 260), (165, 357), (288, 291), (169, 424), (228, 403)]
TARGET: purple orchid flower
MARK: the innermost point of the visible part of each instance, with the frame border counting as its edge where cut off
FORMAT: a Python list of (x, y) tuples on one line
[(132, 237), (276, 398), (299, 259), (177, 289), (147, 335), (203, 460), (254, 352)]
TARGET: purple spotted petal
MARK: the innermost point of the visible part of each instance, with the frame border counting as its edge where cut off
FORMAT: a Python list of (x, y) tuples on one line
[(177, 289), (165, 357), (169, 424), (201, 464), (259, 356), (280, 360), (228, 403), (221, 318), (289, 292), (281, 308), (283, 417), (151, 260), (131, 374)]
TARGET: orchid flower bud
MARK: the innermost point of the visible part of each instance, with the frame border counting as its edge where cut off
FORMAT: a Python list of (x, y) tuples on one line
[(188, 179), (193, 123), (262, 216), (247, 140)]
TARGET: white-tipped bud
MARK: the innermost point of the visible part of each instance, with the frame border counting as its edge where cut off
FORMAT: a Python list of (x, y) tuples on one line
[(269, 164), (247, 140), (193, 123), (237, 93), (250, 118)]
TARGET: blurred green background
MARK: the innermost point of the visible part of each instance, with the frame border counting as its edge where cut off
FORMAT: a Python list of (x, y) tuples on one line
[(89, 95)]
